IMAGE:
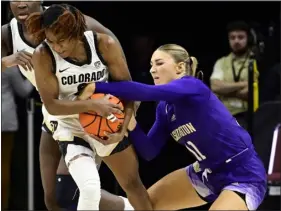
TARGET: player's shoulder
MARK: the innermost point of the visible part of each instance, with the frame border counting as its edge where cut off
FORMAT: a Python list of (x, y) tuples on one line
[(5, 31), (43, 55), (93, 25), (107, 45), (103, 34), (5, 26), (6, 38), (105, 39), (42, 51), (196, 84), (188, 81), (191, 79)]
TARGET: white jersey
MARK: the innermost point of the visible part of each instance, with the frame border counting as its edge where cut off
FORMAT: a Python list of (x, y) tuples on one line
[(71, 76), (19, 44)]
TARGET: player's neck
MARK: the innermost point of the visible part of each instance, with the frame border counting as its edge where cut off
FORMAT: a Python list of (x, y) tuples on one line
[(180, 76), (79, 54)]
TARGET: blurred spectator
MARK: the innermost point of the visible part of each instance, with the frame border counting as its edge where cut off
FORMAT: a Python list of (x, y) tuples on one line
[(229, 79), (12, 82)]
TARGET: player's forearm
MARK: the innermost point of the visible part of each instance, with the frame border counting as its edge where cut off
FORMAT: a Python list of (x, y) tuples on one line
[(67, 107), (224, 88), (135, 91), (143, 144)]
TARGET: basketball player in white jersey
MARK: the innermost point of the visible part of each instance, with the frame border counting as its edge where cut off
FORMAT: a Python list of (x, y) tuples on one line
[(70, 57), (17, 48)]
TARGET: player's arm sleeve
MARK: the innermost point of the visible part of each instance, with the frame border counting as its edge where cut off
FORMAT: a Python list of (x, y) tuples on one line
[(150, 145), (187, 88), (21, 86)]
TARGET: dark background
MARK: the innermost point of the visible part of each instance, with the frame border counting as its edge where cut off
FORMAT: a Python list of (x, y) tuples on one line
[(197, 26)]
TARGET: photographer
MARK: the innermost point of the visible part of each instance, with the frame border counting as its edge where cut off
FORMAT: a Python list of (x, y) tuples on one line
[(229, 79)]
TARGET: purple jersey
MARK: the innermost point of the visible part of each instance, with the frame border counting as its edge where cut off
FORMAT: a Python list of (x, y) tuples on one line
[(196, 119)]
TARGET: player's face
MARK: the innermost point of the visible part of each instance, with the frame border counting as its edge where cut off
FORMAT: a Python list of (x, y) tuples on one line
[(163, 67), (64, 47), (22, 9), (237, 41)]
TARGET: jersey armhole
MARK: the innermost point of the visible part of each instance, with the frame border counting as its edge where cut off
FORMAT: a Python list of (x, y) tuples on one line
[(97, 49), (52, 56)]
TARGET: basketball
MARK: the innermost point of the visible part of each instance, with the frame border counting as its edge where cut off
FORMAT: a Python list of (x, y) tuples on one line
[(96, 125)]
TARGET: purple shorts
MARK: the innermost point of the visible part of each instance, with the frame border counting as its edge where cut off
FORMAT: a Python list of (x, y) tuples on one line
[(209, 185)]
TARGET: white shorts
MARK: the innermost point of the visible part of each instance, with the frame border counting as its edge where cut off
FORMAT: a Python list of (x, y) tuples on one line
[(68, 128), (53, 126), (49, 123)]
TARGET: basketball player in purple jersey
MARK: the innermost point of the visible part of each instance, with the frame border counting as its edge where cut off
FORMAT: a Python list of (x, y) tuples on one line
[(228, 172)]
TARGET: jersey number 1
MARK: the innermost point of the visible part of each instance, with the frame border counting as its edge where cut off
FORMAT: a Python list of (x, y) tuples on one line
[(195, 151)]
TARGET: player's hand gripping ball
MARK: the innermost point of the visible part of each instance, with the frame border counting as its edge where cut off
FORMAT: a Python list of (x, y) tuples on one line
[(97, 125)]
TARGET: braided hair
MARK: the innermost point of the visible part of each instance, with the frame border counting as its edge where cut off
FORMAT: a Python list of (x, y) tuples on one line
[(60, 19)]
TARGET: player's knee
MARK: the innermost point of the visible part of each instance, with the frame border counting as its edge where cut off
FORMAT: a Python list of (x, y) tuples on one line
[(84, 171), (90, 190)]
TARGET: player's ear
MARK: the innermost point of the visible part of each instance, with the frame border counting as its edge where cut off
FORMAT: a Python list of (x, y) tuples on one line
[(180, 68)]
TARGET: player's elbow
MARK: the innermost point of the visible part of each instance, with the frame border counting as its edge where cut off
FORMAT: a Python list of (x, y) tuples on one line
[(51, 107)]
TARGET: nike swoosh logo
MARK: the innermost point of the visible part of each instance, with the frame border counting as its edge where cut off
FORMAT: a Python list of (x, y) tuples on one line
[(64, 69)]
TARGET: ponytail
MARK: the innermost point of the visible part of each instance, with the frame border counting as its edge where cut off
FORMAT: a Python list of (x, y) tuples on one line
[(59, 18), (193, 66), (34, 26)]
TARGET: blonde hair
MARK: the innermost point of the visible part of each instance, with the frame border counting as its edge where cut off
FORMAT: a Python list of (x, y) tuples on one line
[(179, 54)]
